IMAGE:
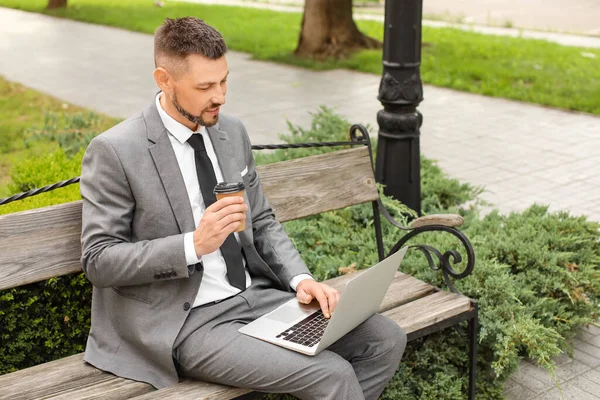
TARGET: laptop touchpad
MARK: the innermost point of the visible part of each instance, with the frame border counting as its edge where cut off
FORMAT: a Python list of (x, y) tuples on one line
[(287, 314)]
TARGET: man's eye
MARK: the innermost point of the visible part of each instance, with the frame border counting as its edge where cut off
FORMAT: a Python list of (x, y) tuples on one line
[(203, 89)]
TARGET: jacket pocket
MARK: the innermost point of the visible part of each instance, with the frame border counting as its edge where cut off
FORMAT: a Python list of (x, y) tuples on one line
[(130, 294)]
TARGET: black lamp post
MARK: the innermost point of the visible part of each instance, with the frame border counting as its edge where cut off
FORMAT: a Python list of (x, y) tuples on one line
[(398, 164)]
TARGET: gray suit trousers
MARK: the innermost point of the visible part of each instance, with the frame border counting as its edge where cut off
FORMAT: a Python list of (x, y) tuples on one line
[(358, 366)]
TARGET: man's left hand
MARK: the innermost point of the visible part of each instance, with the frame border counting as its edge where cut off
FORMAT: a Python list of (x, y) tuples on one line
[(328, 297)]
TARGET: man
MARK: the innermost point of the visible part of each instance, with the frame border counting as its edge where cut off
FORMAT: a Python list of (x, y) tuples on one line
[(173, 282)]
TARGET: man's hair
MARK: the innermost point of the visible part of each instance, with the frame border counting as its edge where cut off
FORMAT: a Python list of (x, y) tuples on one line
[(177, 38)]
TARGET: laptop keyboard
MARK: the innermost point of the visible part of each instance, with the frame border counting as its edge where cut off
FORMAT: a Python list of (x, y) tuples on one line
[(307, 332)]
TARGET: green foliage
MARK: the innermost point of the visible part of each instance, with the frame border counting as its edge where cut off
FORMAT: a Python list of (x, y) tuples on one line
[(326, 126), (58, 196), (73, 132), (430, 368), (439, 192), (44, 321), (40, 171), (537, 279), (529, 70), (51, 168), (21, 109)]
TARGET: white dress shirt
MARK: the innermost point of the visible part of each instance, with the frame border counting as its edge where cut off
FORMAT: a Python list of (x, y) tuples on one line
[(215, 285)]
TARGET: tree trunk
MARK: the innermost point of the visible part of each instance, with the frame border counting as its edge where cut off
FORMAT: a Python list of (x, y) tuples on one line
[(56, 4), (328, 30)]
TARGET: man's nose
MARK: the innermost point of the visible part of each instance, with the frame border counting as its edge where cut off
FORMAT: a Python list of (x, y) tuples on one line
[(219, 96)]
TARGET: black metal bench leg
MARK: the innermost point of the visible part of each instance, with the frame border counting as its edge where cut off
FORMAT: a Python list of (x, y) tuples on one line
[(473, 351)]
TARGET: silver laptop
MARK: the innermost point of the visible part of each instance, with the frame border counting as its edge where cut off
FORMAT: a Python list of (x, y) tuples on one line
[(303, 328)]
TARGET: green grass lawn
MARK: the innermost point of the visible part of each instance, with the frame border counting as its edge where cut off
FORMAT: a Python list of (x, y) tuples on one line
[(22, 109), (515, 68)]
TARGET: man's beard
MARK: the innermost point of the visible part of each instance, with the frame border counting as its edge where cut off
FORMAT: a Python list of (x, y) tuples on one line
[(195, 119)]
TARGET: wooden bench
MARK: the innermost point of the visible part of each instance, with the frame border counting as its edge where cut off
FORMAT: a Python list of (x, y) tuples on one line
[(296, 189)]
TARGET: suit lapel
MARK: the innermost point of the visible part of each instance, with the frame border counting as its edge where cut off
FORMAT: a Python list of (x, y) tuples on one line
[(168, 169), (222, 146), (230, 170)]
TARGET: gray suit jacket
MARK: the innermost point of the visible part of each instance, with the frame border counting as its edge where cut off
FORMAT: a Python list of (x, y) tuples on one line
[(135, 213)]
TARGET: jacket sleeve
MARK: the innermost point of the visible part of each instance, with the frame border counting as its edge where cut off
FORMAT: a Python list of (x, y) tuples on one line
[(109, 257), (270, 239)]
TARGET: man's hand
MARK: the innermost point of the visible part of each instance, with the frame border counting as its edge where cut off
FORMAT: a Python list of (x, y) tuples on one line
[(219, 220), (328, 297)]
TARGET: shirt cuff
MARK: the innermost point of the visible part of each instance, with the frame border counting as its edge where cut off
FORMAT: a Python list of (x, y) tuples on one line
[(190, 251), (299, 278)]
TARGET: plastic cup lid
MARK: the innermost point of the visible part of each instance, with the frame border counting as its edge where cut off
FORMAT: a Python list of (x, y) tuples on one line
[(224, 187)]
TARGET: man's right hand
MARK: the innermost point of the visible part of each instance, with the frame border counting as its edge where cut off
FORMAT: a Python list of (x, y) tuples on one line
[(219, 220)]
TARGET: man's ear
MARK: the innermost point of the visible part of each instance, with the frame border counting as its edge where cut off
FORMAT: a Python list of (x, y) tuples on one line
[(163, 79)]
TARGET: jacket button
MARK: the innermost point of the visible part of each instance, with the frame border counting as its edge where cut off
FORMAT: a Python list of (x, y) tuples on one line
[(186, 306), (156, 276), (199, 267)]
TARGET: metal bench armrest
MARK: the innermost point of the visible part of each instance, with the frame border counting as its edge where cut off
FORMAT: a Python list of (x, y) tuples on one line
[(445, 261)]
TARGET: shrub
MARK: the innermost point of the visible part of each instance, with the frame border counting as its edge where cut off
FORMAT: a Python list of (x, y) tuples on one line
[(536, 281), (44, 321), (45, 170), (73, 132)]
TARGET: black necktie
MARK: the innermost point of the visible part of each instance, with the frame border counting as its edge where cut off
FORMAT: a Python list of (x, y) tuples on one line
[(232, 253)]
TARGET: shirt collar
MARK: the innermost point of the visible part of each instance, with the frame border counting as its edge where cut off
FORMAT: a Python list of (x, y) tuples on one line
[(181, 132)]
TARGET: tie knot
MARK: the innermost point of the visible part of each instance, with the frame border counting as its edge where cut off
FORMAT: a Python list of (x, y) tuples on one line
[(197, 142)]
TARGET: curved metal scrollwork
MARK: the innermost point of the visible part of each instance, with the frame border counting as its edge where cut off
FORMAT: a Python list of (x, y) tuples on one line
[(445, 260), (363, 138)]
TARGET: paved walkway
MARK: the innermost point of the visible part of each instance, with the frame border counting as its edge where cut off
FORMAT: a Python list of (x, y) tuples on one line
[(577, 16), (522, 153)]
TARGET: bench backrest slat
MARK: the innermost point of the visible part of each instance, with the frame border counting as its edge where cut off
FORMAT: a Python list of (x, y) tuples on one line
[(312, 185), (39, 244)]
